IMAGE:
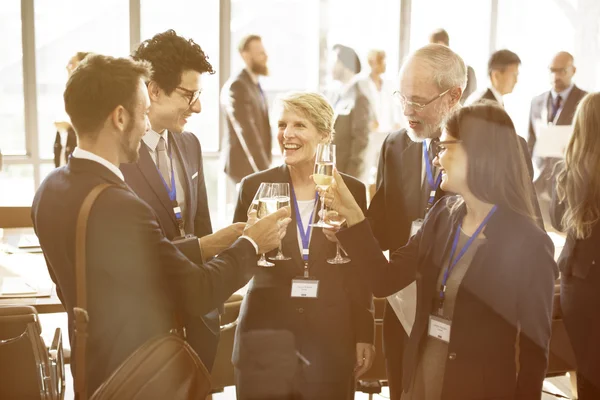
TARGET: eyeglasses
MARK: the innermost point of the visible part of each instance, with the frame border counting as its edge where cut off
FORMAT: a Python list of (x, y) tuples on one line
[(439, 147), (190, 95), (558, 71), (404, 102)]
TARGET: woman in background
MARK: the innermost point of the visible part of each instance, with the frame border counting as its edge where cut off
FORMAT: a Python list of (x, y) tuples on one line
[(576, 211)]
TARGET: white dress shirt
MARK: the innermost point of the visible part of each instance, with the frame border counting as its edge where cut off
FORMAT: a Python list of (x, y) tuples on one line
[(151, 139), (86, 155)]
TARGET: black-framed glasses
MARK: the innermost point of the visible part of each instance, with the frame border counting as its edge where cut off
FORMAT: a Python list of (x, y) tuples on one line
[(190, 95), (439, 147), (404, 102)]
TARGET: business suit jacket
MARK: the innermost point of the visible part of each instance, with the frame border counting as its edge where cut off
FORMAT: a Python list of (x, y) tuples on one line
[(70, 146), (399, 200), (326, 329), (506, 295), (351, 128), (579, 264), (249, 138), (541, 106), (145, 180), (136, 279)]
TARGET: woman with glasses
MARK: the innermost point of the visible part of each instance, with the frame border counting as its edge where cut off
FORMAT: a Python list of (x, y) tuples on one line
[(576, 210), (332, 324), (484, 269)]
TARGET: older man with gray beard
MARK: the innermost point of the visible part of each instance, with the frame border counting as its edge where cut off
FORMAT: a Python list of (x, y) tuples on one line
[(432, 81)]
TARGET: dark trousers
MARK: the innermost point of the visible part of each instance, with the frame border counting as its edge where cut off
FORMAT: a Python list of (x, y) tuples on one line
[(394, 340)]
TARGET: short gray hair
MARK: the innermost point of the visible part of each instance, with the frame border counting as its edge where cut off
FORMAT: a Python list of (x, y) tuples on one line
[(448, 68)]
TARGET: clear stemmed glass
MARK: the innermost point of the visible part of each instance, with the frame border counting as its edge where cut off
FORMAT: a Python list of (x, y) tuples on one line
[(264, 205), (323, 176), (281, 193), (334, 219)]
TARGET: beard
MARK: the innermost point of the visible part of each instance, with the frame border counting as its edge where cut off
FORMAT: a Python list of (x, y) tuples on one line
[(429, 130), (130, 146), (259, 69)]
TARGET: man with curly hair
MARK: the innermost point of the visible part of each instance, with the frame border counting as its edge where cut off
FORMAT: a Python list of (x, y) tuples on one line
[(169, 173)]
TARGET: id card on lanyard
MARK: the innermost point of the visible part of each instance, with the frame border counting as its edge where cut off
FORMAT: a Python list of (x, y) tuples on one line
[(173, 195), (304, 286), (439, 326), (432, 184)]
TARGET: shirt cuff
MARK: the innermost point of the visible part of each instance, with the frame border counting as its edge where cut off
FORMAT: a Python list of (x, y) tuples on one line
[(248, 238)]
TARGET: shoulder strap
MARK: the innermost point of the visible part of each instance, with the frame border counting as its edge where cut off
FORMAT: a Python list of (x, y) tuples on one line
[(80, 310)]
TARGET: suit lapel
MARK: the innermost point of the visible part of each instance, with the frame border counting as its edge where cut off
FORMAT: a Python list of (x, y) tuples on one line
[(150, 173), (190, 198), (566, 114), (412, 161)]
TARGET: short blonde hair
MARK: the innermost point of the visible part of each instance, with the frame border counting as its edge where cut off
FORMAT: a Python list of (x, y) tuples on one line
[(312, 106)]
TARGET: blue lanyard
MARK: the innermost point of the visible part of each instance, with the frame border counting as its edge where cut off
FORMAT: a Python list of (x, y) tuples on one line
[(304, 234), (433, 186), (173, 190), (452, 263)]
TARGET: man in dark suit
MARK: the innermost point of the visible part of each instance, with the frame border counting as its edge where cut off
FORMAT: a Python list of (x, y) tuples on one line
[(556, 106), (249, 138), (352, 110), (137, 280), (440, 36), (404, 189), (503, 70), (174, 91)]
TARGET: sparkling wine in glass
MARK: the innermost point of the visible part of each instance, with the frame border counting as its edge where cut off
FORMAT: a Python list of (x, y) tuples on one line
[(281, 193), (263, 205), (323, 175)]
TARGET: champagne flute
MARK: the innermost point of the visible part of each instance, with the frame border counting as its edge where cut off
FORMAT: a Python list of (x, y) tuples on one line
[(281, 192), (334, 219), (263, 205), (323, 176)]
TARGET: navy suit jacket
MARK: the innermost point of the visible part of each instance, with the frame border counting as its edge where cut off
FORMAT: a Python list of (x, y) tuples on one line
[(136, 278), (143, 177)]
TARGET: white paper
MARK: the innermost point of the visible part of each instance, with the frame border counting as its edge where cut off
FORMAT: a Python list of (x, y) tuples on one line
[(552, 140), (404, 304), (16, 286), (28, 241)]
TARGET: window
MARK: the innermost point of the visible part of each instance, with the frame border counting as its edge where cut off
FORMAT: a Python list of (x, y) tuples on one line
[(12, 105), (62, 28), (467, 23), (198, 20), (290, 32), (16, 181), (347, 23)]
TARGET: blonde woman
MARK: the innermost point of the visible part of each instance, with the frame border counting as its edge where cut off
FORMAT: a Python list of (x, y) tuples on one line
[(332, 333), (576, 211)]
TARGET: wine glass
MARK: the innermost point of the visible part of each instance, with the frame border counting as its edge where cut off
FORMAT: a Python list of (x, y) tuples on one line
[(334, 219), (323, 175), (281, 193), (263, 205)]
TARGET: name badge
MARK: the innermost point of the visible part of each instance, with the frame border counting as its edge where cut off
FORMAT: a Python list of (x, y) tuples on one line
[(439, 328), (415, 226), (305, 288), (177, 210)]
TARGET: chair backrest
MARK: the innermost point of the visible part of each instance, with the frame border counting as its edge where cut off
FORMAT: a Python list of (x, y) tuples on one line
[(24, 362), (15, 217)]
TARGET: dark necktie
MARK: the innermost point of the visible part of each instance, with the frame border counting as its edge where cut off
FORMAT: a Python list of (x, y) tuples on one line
[(555, 107), (162, 161)]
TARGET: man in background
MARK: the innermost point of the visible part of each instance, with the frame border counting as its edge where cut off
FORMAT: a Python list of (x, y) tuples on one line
[(557, 107), (440, 36), (352, 109), (248, 146)]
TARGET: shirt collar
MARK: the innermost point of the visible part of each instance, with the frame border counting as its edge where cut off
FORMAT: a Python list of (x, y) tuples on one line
[(564, 94), (86, 155), (497, 95), (151, 139)]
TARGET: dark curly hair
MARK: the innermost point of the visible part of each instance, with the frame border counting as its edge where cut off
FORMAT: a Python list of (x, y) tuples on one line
[(170, 55)]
